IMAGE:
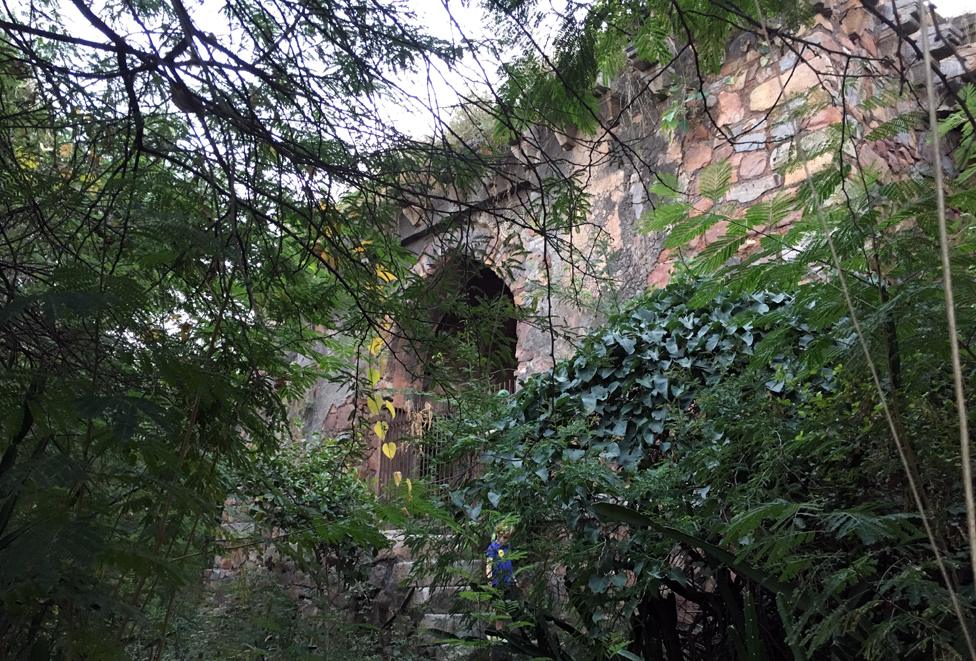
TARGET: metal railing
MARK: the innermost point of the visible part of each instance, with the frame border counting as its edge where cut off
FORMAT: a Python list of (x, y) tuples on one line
[(422, 448)]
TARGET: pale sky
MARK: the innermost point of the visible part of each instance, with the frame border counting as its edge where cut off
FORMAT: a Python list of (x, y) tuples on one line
[(954, 7), (436, 91)]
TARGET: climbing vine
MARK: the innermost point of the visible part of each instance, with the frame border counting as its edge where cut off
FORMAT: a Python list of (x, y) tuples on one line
[(701, 481)]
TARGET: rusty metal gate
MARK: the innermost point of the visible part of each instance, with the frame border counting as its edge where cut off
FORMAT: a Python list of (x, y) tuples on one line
[(421, 450)]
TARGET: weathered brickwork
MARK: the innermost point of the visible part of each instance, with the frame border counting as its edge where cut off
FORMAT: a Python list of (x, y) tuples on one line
[(762, 106)]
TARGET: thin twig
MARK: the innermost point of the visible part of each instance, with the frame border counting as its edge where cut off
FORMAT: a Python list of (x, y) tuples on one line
[(967, 469)]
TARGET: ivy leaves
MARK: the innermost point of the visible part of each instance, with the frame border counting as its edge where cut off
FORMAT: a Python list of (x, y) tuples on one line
[(707, 450), (630, 378)]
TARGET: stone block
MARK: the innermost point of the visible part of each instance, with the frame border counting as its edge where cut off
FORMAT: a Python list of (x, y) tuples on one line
[(398, 550), (868, 43), (750, 142), (697, 156), (814, 165), (855, 21), (722, 152), (401, 571), (825, 117), (753, 164), (660, 275), (566, 139), (730, 109), (944, 46), (447, 622), (750, 191), (700, 206), (782, 131), (781, 155), (802, 79), (741, 43), (903, 13), (435, 600), (750, 125)]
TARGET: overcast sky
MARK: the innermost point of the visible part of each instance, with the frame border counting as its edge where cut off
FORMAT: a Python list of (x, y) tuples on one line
[(955, 7), (432, 89)]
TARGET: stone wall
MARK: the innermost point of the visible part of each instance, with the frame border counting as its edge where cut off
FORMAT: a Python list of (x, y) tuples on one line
[(753, 114)]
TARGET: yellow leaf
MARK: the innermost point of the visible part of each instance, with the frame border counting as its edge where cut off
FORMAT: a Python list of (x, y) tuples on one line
[(374, 376), (324, 255), (380, 428), (389, 407), (376, 346), (397, 477), (384, 275), (374, 408), (390, 449)]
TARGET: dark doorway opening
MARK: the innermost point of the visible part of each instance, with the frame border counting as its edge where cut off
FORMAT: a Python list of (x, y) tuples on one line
[(478, 325), (475, 331)]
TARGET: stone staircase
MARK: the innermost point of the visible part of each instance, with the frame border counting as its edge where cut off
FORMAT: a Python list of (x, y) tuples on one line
[(434, 610)]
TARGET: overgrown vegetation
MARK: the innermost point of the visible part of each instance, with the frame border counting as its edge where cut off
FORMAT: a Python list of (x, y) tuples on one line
[(698, 483), (715, 475), (299, 540), (182, 214), (198, 225)]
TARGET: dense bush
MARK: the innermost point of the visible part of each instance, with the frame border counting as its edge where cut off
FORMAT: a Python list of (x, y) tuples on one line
[(256, 616), (302, 531), (310, 499), (690, 486)]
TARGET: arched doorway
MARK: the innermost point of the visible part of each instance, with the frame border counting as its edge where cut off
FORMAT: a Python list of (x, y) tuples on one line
[(476, 327), (471, 346)]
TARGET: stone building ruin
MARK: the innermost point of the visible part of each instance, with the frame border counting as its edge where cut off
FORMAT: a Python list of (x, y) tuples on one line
[(754, 114)]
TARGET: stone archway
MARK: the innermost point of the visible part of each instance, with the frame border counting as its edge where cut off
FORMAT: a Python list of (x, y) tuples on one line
[(481, 314), (476, 317)]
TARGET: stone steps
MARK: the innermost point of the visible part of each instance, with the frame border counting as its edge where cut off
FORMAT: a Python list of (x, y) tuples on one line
[(435, 600), (462, 573), (435, 608)]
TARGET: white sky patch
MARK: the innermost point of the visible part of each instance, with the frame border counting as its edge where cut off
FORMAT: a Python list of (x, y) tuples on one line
[(427, 97), (439, 90), (950, 8)]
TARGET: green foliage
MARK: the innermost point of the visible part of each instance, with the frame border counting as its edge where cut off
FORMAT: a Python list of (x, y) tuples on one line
[(725, 450), (310, 537), (706, 460), (324, 513), (555, 87), (649, 363), (182, 216), (964, 156), (258, 616)]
